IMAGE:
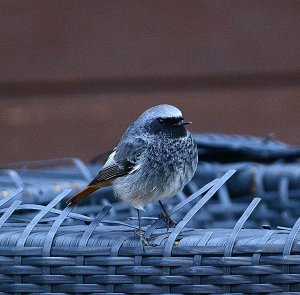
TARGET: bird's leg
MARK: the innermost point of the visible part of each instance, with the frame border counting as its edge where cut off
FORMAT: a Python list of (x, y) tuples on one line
[(139, 218), (140, 233), (166, 216)]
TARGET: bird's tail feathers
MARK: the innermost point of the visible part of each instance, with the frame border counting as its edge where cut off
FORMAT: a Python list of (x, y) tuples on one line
[(82, 194)]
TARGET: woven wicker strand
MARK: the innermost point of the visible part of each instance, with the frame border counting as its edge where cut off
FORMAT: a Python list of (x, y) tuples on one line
[(217, 247)]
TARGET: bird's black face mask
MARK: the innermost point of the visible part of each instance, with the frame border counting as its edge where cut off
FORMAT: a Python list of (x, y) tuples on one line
[(173, 126)]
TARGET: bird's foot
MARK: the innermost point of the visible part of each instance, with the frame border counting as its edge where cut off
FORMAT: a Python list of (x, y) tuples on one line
[(169, 220), (141, 235)]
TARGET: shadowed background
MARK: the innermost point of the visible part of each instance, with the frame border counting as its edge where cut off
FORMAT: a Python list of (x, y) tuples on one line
[(75, 74)]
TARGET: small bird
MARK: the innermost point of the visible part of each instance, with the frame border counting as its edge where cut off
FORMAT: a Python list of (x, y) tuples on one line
[(155, 158)]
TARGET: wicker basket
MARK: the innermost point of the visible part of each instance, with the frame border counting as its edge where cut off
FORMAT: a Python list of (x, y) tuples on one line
[(226, 240)]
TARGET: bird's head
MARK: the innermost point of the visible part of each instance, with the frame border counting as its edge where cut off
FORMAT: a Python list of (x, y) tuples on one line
[(166, 120)]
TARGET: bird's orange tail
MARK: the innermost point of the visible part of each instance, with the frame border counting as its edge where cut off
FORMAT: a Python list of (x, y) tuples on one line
[(82, 194)]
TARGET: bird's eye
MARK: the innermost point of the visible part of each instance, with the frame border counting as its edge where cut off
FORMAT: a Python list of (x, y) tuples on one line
[(160, 120)]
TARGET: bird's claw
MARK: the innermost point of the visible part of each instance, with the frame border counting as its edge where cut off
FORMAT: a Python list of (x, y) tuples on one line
[(141, 235), (169, 220)]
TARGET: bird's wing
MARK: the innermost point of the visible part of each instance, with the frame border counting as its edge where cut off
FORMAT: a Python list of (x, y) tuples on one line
[(123, 160)]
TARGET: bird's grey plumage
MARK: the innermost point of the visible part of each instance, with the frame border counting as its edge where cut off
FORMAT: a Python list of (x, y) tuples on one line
[(155, 158), (152, 161)]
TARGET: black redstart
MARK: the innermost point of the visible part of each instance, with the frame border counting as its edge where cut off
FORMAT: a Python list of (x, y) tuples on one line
[(155, 158)]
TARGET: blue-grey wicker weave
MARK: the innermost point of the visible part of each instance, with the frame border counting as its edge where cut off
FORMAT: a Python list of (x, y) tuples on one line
[(237, 231)]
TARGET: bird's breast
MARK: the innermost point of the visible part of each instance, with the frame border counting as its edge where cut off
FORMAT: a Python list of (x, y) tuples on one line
[(164, 169)]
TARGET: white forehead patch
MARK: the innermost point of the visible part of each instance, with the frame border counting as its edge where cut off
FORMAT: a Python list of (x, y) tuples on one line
[(163, 110)]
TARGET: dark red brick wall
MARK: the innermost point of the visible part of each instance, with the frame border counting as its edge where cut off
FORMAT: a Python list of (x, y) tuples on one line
[(74, 74)]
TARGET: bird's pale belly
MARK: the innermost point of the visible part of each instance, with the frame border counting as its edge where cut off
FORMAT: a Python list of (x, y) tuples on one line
[(140, 190)]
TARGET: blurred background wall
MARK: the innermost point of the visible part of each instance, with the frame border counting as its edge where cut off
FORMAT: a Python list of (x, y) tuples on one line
[(74, 74)]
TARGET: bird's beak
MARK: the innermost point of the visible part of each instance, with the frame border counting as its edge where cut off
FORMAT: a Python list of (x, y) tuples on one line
[(183, 122)]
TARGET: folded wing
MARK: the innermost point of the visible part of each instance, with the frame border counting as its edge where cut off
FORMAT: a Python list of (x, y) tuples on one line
[(122, 161)]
